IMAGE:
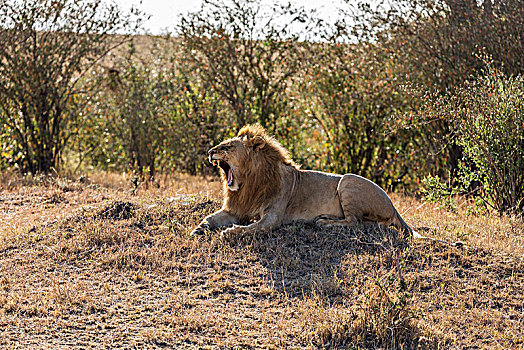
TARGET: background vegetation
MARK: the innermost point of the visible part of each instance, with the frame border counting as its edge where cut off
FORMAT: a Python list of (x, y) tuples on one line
[(396, 93), (420, 96)]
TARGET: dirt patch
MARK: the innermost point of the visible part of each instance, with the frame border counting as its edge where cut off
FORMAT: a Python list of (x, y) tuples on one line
[(117, 211)]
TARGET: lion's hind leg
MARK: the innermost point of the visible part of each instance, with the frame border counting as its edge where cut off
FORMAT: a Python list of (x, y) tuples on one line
[(363, 202)]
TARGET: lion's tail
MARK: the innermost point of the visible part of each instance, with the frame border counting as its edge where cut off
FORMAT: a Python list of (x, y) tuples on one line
[(400, 224)]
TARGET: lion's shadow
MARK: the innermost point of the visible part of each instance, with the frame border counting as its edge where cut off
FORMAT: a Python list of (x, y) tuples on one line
[(304, 259)]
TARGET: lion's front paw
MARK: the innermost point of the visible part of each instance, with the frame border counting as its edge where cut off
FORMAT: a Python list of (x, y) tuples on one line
[(200, 230), (231, 231)]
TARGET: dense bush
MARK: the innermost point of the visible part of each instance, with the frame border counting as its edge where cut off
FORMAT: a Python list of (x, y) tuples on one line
[(150, 115), (440, 42), (338, 102), (488, 119), (248, 53), (353, 97), (46, 48), (128, 126), (231, 66)]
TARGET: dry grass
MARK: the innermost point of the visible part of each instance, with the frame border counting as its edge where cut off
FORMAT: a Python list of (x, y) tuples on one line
[(92, 265)]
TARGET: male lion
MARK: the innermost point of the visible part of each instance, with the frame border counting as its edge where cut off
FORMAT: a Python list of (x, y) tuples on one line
[(262, 182)]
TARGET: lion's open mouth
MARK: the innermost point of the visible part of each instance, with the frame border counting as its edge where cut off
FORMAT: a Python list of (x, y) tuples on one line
[(227, 170)]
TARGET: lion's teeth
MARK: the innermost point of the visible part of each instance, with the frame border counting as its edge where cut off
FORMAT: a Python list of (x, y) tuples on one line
[(230, 177)]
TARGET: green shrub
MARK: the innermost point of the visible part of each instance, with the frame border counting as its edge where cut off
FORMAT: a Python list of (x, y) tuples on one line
[(488, 119), (353, 97), (435, 190), (127, 127), (151, 115)]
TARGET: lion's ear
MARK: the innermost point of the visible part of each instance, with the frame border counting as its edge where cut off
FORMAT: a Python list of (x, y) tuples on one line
[(257, 142)]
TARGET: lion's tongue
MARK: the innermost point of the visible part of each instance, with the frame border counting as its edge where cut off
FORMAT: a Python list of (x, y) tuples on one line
[(229, 177)]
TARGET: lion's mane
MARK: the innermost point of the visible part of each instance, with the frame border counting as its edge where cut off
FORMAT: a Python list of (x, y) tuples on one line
[(261, 173)]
